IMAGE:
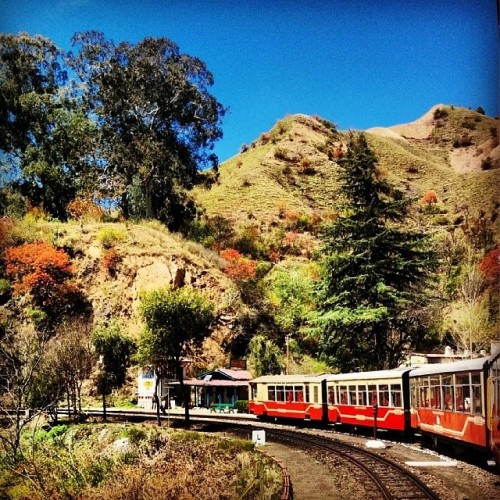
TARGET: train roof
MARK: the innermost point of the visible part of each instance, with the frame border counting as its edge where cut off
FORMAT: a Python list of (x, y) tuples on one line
[(292, 379), (455, 366), (371, 375)]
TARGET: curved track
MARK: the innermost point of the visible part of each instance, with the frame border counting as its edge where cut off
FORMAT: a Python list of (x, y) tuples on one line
[(380, 477)]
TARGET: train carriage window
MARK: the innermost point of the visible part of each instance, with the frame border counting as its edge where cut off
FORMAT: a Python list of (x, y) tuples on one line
[(362, 398), (280, 393), (315, 394), (396, 397), (343, 395), (298, 394), (306, 399), (476, 402), (372, 394), (448, 396), (289, 393), (383, 395), (435, 383), (353, 398), (331, 396), (462, 392), (271, 393)]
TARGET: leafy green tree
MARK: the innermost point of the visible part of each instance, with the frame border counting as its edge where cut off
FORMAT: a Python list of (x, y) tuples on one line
[(47, 139), (371, 296), (114, 350), (291, 294), (158, 121), (264, 356), (176, 321)]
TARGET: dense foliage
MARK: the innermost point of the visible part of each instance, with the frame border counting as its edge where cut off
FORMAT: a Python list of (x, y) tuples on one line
[(374, 270), (130, 123), (176, 321), (44, 272)]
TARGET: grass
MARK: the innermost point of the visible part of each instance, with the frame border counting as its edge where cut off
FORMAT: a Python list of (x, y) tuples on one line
[(97, 461), (253, 183)]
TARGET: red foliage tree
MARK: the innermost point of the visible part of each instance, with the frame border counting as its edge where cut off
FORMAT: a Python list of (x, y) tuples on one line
[(42, 271), (490, 265), (238, 266)]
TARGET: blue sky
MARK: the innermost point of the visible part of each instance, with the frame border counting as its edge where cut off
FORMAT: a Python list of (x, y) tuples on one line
[(358, 63)]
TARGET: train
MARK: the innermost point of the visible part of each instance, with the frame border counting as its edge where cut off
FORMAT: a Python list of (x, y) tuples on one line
[(456, 402)]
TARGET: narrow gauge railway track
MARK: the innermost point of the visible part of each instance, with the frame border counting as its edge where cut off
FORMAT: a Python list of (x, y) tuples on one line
[(381, 477)]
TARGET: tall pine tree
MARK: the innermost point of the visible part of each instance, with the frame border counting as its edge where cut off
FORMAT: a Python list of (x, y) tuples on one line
[(374, 273)]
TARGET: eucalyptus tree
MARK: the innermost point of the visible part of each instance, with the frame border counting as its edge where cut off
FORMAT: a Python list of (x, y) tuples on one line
[(371, 298), (47, 140), (159, 123)]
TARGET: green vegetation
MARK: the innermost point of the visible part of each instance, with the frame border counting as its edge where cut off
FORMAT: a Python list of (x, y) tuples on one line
[(61, 133), (176, 321), (135, 461), (373, 272)]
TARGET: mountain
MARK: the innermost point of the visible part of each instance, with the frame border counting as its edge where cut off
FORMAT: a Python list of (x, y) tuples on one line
[(452, 151)]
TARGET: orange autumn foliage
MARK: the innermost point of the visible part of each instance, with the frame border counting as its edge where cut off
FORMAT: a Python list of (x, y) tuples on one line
[(428, 198), (42, 271), (238, 266)]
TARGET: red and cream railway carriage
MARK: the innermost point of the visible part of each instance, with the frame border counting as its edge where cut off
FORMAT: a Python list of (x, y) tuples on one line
[(352, 397), (449, 401), (288, 396)]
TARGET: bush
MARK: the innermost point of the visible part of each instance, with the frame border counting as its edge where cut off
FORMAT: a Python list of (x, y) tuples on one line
[(5, 289), (110, 261), (44, 272), (109, 236), (486, 164), (241, 406), (440, 114)]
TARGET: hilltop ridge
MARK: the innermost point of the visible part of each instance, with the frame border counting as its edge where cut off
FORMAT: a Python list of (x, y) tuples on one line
[(453, 151)]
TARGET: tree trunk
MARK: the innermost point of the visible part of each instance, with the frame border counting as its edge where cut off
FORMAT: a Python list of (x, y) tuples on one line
[(104, 405), (156, 399), (185, 395)]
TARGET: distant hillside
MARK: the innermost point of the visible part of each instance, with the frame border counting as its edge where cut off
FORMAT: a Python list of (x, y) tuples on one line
[(452, 151)]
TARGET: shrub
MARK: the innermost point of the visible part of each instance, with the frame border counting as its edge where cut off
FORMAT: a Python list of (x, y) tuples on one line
[(110, 236), (241, 406), (85, 209), (239, 267), (44, 272), (440, 114), (429, 198), (480, 110), (486, 164), (110, 261), (5, 289)]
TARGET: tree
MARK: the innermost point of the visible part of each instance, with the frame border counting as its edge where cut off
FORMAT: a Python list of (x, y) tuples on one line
[(22, 358), (158, 121), (114, 350), (291, 294), (45, 273), (264, 356), (47, 138), (176, 321), (373, 271), (71, 359)]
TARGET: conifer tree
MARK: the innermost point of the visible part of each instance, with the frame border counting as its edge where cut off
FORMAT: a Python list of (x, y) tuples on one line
[(374, 270)]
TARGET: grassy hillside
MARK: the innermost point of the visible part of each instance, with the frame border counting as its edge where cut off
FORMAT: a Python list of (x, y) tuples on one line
[(291, 167)]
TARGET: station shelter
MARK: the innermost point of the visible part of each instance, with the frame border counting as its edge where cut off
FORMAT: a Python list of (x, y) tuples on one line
[(223, 385)]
